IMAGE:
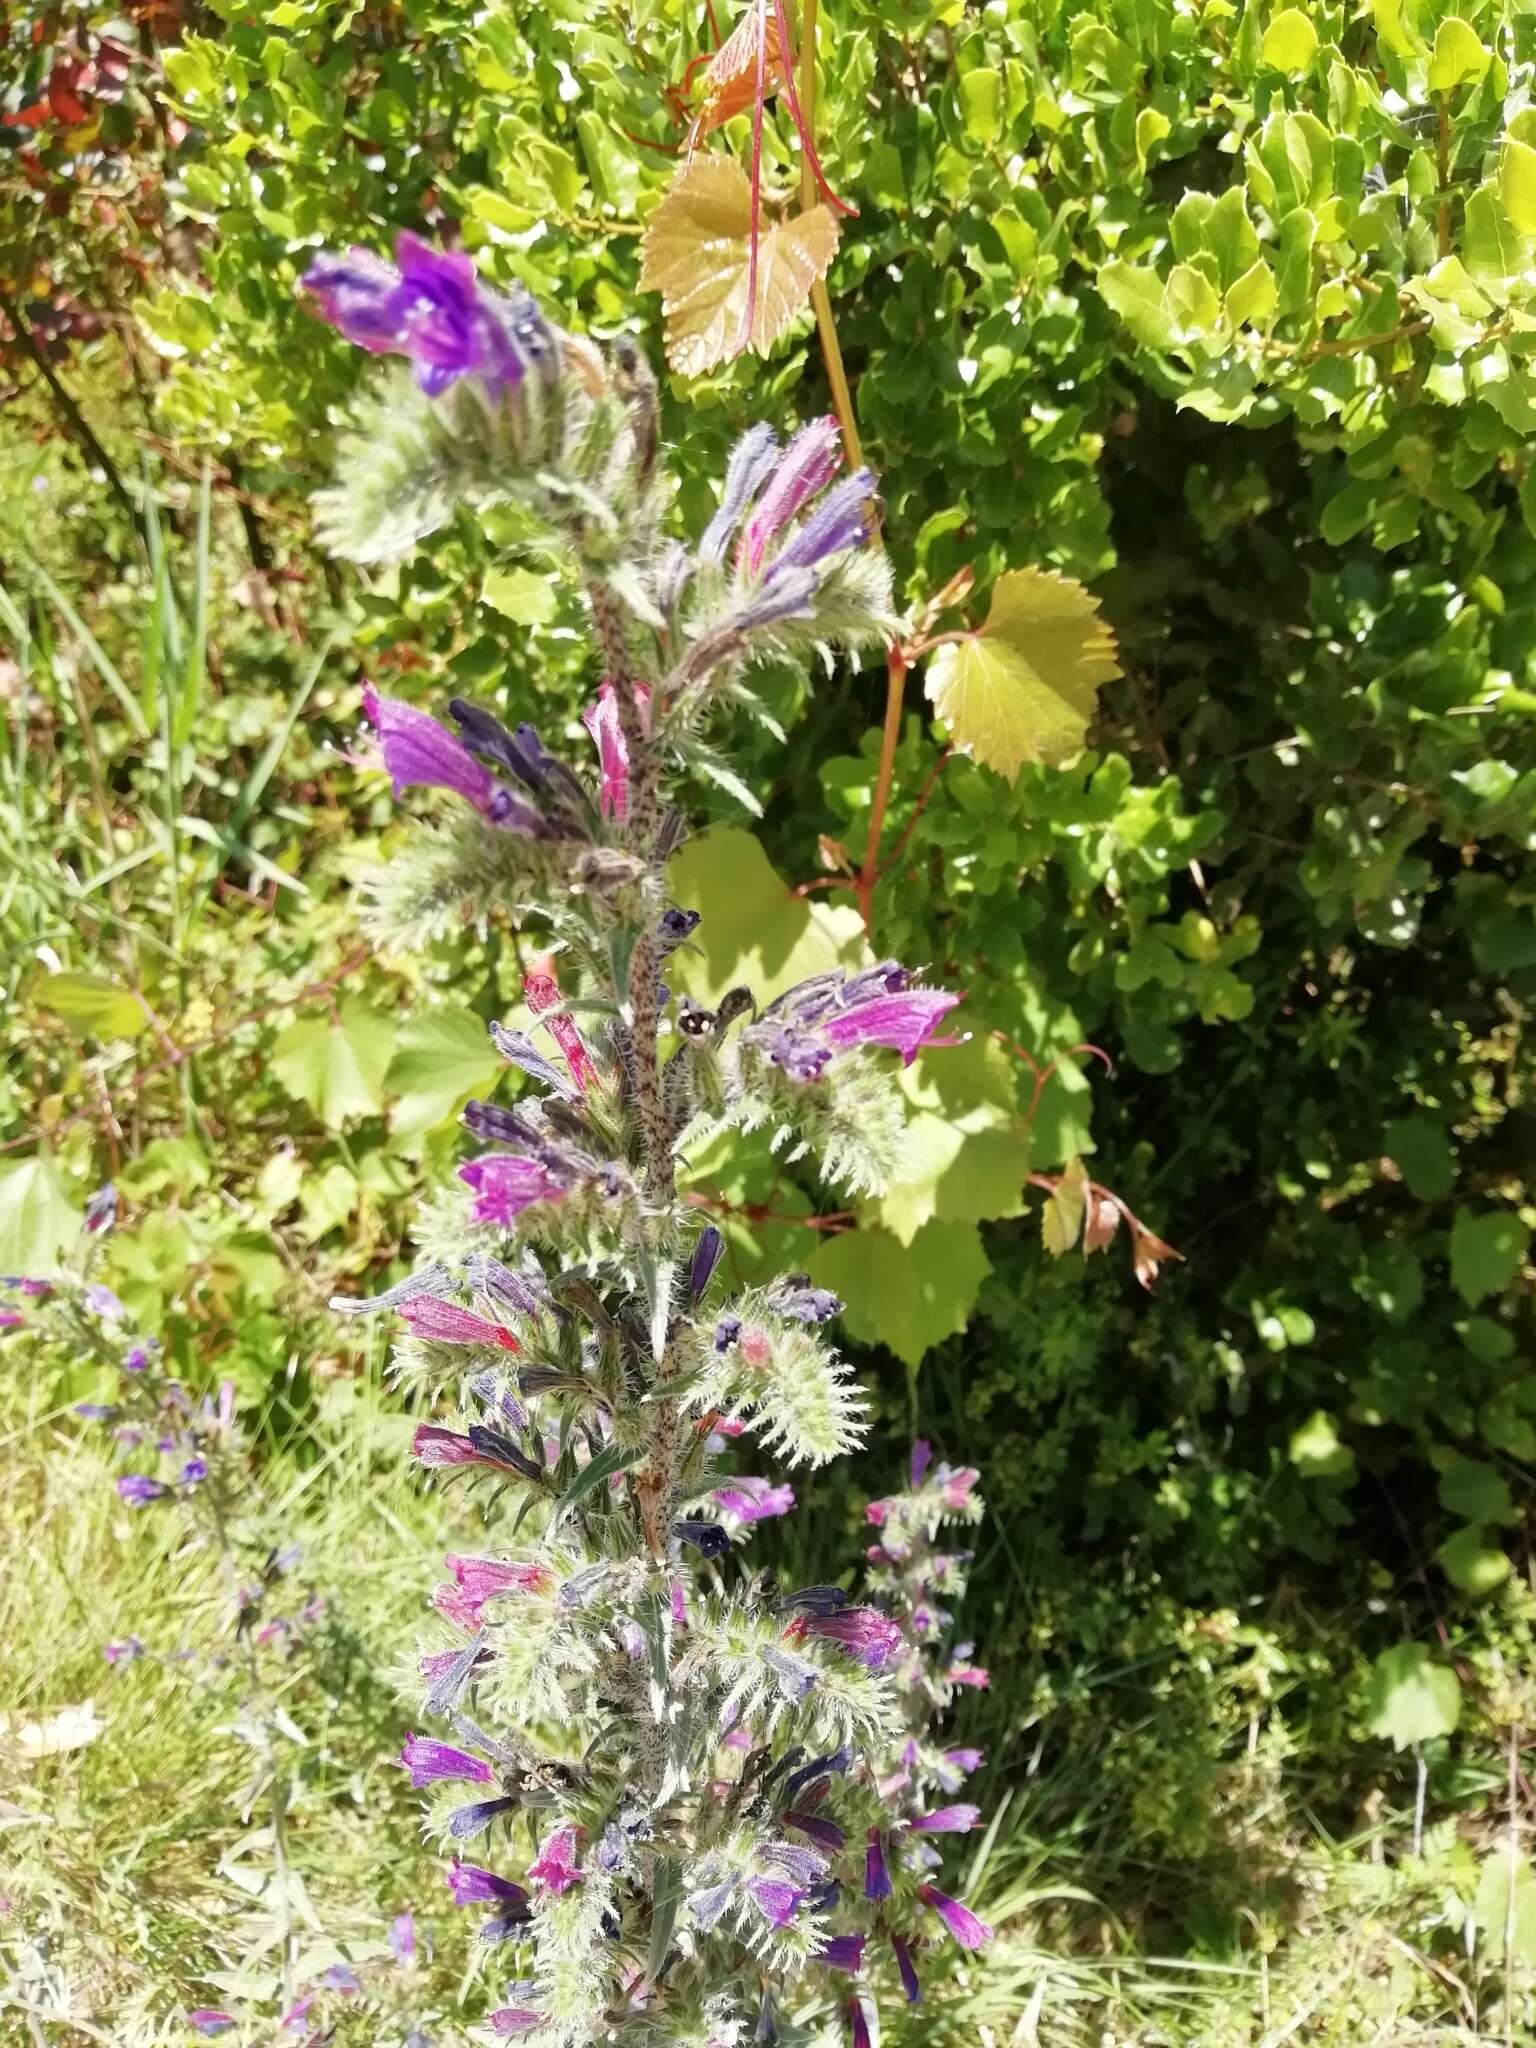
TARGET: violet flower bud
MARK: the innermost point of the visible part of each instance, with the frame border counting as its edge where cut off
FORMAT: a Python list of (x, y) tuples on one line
[(469, 1884), (810, 461), (750, 462), (909, 1982), (922, 1456), (430, 1763), (877, 1878), (706, 1256), (138, 1490), (523, 1053), (444, 1322), (842, 1952), (946, 1820)]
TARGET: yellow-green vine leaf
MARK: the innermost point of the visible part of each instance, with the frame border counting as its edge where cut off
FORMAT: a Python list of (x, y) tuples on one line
[(1023, 688)]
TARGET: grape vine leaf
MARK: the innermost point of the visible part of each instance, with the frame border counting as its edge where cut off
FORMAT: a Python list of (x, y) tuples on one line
[(696, 253), (1022, 687), (961, 1169), (37, 1218), (442, 1058), (907, 1297), (754, 930), (1412, 1700), (338, 1065)]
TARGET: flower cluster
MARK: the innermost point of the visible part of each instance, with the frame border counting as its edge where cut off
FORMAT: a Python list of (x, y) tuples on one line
[(667, 1770)]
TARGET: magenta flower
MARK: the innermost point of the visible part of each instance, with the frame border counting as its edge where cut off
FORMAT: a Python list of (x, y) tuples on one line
[(514, 2019), (602, 721), (138, 1490), (877, 1878), (753, 1500), (842, 1952), (431, 306), (957, 1486), (810, 461), (902, 1022), (444, 1322), (208, 2020), (543, 998), (430, 1763), (909, 1982), (973, 1676), (11, 1319), (556, 1864), (946, 1820), (507, 1183), (298, 2012), (470, 1884), (960, 1763), (480, 1579), (677, 1601), (871, 1638), (840, 522), (101, 1210), (960, 1920), (858, 2026), (432, 1445), (124, 1652)]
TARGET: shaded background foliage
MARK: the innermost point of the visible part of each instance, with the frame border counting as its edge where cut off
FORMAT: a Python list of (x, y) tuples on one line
[(1222, 312)]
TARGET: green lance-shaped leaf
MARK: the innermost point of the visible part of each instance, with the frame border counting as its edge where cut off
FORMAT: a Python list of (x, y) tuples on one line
[(1023, 687)]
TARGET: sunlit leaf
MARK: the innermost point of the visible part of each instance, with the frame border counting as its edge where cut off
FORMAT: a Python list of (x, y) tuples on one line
[(696, 253), (1023, 687), (1412, 1700)]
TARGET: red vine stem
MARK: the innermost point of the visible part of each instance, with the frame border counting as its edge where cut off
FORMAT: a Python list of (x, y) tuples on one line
[(895, 685)]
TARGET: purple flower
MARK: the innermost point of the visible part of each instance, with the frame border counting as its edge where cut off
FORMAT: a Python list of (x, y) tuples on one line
[(902, 1022), (909, 1982), (339, 1978), (402, 1938), (194, 1471), (101, 1210), (871, 1638), (514, 2019), (776, 1901), (946, 1820), (36, 1290), (877, 1878), (972, 1675), (136, 1360), (444, 1322), (138, 1490), (507, 1183), (432, 1445), (810, 461), (751, 460), (960, 1920), (842, 1952), (432, 308), (101, 1301), (556, 1862), (753, 1500), (471, 1885), (956, 1765), (706, 1256), (522, 1052), (431, 1762), (858, 2026), (298, 2012), (839, 522), (826, 1834), (124, 1652), (678, 1603), (95, 1411), (922, 1457), (11, 1319), (480, 1579), (208, 2020), (794, 1675), (419, 752), (956, 1485)]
